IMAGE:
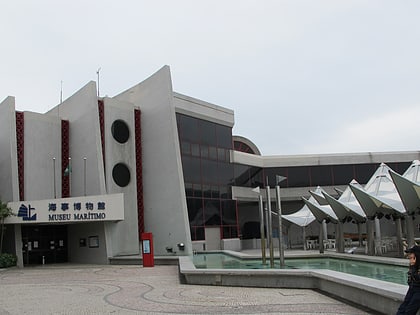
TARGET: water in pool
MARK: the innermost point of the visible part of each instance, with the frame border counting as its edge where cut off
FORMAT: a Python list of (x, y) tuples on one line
[(390, 273)]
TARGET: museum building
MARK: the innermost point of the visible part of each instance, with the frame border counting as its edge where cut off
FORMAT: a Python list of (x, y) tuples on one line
[(88, 177)]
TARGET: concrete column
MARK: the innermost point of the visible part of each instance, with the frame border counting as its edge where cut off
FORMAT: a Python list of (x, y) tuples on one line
[(410, 230), (339, 238), (370, 237), (18, 245), (321, 237), (400, 249)]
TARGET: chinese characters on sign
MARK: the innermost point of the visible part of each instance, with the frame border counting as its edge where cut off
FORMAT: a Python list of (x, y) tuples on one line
[(77, 207), (109, 207)]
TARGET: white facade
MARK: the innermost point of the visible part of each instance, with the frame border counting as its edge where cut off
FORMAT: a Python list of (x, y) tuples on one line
[(155, 193)]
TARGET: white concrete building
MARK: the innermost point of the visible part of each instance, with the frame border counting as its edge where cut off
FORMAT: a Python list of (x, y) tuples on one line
[(172, 157)]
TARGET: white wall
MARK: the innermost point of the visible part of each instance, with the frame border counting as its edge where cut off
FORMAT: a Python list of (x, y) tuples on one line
[(123, 236), (42, 143), (77, 254), (9, 183), (81, 109), (163, 186)]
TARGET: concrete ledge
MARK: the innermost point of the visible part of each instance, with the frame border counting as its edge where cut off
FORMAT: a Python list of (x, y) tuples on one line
[(380, 296), (138, 260)]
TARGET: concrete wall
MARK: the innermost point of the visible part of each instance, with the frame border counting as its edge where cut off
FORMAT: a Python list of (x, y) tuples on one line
[(42, 145), (165, 205), (78, 254), (81, 109), (123, 236), (212, 236), (9, 183)]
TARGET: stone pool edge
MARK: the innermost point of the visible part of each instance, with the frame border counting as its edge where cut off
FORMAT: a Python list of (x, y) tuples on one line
[(377, 295)]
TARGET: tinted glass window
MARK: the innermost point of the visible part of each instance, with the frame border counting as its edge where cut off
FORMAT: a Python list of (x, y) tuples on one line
[(204, 151), (188, 128), (197, 233), (195, 211), (198, 191), (189, 192), (215, 192), (271, 173), (298, 176), (206, 191), (364, 172), (195, 149), (400, 167), (224, 136), (209, 170), (120, 131), (225, 174), (343, 174), (191, 168), (213, 153), (229, 212), (212, 212), (321, 175), (221, 154), (185, 148), (242, 175), (121, 174), (207, 132)]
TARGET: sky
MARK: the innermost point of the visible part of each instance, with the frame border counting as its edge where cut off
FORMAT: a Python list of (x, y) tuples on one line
[(303, 77)]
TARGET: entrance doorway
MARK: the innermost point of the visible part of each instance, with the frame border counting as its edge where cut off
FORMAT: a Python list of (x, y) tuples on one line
[(44, 244)]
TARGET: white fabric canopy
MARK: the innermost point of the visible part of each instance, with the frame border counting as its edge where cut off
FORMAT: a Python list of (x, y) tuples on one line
[(302, 217), (380, 194)]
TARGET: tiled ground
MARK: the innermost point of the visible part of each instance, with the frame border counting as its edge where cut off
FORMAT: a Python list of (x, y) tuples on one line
[(87, 289)]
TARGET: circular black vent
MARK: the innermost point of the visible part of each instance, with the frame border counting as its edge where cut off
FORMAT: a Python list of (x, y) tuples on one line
[(121, 174), (120, 131)]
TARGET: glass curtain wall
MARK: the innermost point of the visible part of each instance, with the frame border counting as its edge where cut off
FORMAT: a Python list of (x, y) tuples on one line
[(208, 176), (310, 176)]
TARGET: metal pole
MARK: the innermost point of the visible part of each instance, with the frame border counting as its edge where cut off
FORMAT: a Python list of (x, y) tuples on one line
[(260, 203), (270, 227), (281, 249), (97, 72), (84, 175), (70, 171), (54, 188)]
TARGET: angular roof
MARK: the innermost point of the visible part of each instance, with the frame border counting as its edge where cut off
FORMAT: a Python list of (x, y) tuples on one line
[(302, 217), (408, 187), (346, 211), (379, 196), (321, 212)]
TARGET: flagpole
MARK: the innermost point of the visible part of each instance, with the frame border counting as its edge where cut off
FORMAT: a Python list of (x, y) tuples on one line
[(54, 189), (61, 92), (70, 171), (84, 175), (97, 72)]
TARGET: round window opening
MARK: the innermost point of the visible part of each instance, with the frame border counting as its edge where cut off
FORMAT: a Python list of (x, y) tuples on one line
[(120, 131), (121, 174)]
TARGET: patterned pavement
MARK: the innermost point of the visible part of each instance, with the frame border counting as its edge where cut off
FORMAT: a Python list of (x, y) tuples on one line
[(109, 289)]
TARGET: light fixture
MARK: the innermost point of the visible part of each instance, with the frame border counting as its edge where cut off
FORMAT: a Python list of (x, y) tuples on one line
[(181, 246)]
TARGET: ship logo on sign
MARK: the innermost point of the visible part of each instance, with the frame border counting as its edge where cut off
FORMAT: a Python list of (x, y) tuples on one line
[(26, 213)]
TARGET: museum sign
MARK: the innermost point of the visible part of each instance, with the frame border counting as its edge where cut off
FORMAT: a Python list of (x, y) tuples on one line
[(66, 210)]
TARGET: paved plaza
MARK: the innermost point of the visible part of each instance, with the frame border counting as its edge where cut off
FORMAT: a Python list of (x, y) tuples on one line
[(109, 289)]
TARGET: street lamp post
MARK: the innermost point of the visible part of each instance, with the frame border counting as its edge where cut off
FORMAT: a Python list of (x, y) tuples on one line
[(54, 188), (261, 214), (270, 227), (279, 213), (84, 176)]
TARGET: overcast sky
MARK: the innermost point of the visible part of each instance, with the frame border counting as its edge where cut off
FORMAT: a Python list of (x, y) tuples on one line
[(302, 76)]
